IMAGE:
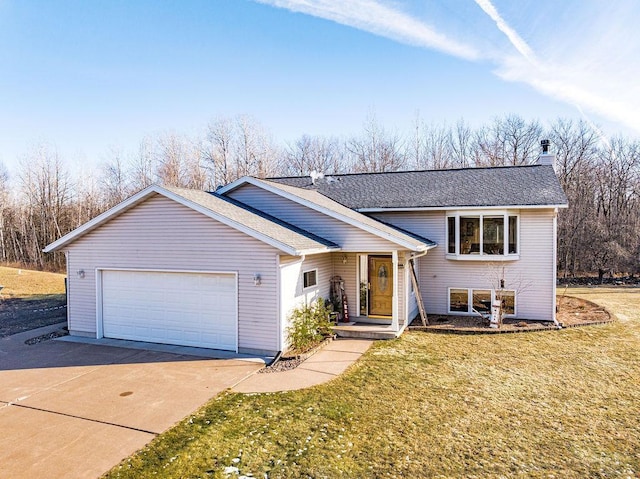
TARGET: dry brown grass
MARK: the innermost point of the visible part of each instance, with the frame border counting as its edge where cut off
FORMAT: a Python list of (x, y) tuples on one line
[(554, 404), (24, 283)]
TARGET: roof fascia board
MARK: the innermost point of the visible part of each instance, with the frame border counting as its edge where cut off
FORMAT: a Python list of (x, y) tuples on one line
[(450, 208), (317, 251), (333, 214), (235, 185)]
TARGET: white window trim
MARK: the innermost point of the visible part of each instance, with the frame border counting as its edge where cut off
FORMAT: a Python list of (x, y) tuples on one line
[(304, 272), (470, 301), (481, 256)]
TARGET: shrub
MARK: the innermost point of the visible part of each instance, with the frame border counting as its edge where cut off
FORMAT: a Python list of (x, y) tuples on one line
[(309, 326)]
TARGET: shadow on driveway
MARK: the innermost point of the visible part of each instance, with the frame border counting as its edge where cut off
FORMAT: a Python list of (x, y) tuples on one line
[(75, 410)]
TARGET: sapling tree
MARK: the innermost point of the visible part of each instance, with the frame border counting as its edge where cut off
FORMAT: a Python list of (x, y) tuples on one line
[(506, 288)]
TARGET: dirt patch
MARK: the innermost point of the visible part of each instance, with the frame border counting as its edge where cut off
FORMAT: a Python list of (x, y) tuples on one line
[(23, 314), (572, 312)]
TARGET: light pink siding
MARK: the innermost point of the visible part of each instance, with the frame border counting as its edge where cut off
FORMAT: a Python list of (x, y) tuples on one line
[(162, 234), (534, 272), (348, 237)]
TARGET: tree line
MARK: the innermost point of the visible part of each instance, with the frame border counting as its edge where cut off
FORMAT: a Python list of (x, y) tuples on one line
[(599, 233)]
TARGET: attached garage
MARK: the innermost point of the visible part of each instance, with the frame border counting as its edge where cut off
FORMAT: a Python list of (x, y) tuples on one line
[(183, 267), (184, 308)]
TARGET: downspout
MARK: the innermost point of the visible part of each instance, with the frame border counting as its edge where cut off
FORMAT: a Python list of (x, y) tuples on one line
[(276, 358), (555, 267), (419, 255), (412, 256), (67, 284)]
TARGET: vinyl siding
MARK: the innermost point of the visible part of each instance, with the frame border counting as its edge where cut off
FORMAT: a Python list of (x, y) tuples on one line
[(293, 292), (534, 272), (162, 234), (350, 238)]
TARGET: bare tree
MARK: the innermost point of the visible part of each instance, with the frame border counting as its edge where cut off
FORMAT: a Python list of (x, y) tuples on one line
[(4, 206), (509, 141), (47, 189), (114, 180), (142, 167), (376, 150), (217, 151), (315, 153)]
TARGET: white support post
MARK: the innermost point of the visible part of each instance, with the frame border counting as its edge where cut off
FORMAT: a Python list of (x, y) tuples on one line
[(395, 311)]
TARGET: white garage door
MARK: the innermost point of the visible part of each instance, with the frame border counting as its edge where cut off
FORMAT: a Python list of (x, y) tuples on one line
[(188, 309)]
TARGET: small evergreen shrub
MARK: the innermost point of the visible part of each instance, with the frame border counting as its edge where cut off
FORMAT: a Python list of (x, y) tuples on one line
[(310, 325)]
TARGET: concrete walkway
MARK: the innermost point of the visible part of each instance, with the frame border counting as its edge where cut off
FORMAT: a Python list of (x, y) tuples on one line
[(323, 366)]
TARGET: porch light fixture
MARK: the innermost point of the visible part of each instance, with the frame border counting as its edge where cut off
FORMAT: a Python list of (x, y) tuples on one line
[(81, 274), (257, 279), (344, 259)]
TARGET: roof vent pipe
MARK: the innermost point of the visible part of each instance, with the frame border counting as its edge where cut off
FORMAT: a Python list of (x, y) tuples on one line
[(545, 146), (315, 176), (545, 157)]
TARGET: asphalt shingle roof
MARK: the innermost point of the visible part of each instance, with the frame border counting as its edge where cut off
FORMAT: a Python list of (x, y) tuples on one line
[(328, 203), (282, 232), (535, 185)]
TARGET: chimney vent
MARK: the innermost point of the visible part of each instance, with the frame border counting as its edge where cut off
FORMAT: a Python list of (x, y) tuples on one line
[(546, 158), (545, 146)]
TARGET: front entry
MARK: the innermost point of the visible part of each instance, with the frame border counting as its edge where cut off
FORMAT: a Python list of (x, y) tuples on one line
[(380, 286)]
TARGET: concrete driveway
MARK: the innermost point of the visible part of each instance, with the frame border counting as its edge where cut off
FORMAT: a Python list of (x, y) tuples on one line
[(75, 410)]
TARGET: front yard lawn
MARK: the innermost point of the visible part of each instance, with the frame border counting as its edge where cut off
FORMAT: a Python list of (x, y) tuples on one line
[(25, 283), (557, 404), (30, 299)]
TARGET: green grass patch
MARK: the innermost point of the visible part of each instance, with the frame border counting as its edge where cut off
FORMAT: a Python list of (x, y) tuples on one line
[(24, 283), (560, 404)]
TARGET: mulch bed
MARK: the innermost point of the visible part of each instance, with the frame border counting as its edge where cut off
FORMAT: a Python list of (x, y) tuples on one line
[(572, 312), (291, 359)]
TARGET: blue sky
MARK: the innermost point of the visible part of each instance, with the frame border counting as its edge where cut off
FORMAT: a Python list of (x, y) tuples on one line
[(87, 76)]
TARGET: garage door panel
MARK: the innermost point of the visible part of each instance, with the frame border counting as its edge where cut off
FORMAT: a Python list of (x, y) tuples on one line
[(191, 309)]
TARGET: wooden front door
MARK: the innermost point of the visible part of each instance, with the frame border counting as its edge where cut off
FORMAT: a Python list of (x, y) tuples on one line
[(380, 286)]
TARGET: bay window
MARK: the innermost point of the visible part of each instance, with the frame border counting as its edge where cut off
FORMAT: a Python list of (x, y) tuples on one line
[(491, 235)]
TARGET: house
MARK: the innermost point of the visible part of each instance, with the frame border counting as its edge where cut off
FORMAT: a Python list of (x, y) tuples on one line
[(223, 270)]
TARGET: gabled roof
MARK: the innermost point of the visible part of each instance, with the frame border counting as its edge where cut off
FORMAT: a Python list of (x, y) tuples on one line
[(278, 234), (316, 201), (513, 186)]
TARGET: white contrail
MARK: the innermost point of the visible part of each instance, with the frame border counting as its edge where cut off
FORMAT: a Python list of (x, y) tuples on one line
[(515, 39), (543, 80), (374, 17), (561, 81)]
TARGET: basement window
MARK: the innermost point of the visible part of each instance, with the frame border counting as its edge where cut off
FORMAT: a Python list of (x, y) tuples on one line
[(310, 278), (470, 300)]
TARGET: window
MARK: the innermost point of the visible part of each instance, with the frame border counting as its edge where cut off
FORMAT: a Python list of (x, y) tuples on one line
[(310, 278), (509, 302), (513, 235), (481, 235), (470, 301), (482, 300), (451, 231), (458, 300)]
